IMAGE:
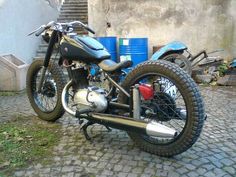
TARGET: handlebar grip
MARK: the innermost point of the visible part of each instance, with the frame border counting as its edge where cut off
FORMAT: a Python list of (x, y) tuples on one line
[(40, 31), (89, 29)]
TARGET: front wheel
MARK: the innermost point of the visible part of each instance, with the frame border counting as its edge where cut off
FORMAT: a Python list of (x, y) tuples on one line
[(177, 103), (47, 103)]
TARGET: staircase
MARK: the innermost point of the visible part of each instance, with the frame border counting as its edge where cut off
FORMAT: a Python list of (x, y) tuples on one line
[(71, 10)]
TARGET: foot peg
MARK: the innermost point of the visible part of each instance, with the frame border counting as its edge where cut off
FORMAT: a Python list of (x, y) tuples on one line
[(85, 127), (81, 121), (108, 129)]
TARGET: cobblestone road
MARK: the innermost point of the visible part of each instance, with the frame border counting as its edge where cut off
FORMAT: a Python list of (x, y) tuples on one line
[(114, 154)]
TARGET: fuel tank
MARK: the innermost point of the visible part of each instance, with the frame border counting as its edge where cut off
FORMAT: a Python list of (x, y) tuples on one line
[(85, 49)]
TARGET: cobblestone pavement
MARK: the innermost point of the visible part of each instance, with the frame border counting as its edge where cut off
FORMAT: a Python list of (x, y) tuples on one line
[(114, 154)]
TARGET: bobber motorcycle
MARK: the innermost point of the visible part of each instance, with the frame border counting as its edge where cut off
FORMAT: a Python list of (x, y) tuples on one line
[(157, 102)]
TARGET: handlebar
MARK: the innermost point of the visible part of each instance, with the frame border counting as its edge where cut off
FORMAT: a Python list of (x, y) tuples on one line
[(59, 26), (73, 23), (89, 29), (40, 31)]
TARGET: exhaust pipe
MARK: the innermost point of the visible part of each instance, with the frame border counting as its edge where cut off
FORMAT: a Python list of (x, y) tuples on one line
[(133, 125), (120, 122)]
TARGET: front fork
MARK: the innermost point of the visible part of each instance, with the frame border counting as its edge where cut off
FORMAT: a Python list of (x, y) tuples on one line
[(47, 58)]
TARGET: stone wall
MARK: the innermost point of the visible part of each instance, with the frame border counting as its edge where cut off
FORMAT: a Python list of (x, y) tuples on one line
[(18, 18), (203, 24)]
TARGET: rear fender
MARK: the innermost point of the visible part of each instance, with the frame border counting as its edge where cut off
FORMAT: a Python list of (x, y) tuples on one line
[(173, 47)]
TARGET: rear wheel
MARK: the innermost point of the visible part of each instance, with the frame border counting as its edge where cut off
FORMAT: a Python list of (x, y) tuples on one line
[(47, 104), (177, 103)]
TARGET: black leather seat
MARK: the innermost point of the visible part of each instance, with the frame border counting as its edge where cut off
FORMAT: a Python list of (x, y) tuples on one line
[(111, 66)]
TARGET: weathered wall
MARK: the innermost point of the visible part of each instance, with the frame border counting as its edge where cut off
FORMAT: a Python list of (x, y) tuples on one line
[(17, 19), (203, 24)]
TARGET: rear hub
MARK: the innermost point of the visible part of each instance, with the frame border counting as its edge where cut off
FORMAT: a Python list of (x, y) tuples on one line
[(161, 108)]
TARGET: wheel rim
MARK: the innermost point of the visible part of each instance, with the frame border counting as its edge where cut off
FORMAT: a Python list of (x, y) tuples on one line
[(47, 99), (170, 98)]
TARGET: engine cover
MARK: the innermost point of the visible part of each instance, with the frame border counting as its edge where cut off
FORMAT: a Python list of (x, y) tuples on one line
[(92, 97)]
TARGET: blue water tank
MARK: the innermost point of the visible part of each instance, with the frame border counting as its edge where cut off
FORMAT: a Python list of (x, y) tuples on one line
[(110, 44), (135, 49)]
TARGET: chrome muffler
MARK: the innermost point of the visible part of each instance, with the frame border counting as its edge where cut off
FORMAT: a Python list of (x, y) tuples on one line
[(160, 130), (133, 125)]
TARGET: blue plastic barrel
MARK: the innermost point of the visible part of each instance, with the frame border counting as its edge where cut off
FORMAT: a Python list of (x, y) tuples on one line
[(110, 44), (135, 49)]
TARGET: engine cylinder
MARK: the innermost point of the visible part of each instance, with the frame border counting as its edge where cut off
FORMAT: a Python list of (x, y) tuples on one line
[(91, 97)]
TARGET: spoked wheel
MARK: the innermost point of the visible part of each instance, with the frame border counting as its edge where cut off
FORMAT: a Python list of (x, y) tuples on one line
[(176, 103), (180, 60), (46, 103)]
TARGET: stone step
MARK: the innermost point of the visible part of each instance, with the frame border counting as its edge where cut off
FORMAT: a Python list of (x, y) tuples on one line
[(75, 1), (42, 55), (44, 50), (85, 21), (73, 17), (67, 6), (74, 14), (71, 12), (75, 4), (43, 44), (73, 8), (85, 16)]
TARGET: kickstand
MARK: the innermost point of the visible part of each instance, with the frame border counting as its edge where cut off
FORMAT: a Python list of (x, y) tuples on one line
[(84, 128), (108, 129)]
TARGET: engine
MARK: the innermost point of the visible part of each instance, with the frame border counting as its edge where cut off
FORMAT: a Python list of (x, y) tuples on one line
[(91, 97)]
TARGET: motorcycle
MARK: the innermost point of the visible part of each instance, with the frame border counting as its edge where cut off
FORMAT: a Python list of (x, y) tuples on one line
[(177, 52), (174, 52), (157, 102)]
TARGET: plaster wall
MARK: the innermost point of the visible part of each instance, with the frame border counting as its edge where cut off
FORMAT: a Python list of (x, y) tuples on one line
[(202, 24), (18, 18)]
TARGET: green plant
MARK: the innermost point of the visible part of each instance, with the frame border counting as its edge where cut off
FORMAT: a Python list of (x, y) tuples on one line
[(222, 69)]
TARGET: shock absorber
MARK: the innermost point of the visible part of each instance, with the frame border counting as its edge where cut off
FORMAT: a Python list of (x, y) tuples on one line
[(136, 102)]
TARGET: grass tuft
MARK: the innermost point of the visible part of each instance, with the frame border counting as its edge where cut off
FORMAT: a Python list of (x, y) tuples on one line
[(25, 141)]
